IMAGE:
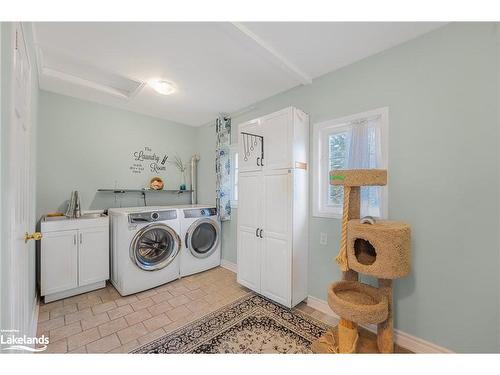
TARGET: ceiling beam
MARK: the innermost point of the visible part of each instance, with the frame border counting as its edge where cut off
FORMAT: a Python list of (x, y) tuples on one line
[(278, 58)]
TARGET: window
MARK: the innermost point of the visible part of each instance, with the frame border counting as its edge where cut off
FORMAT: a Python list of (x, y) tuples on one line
[(358, 141), (234, 175)]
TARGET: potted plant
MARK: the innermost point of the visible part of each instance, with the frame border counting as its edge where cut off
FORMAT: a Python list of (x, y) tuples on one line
[(181, 167)]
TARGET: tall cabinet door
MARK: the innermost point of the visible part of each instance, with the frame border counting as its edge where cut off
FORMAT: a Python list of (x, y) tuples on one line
[(278, 140), (59, 251), (249, 225), (276, 261), (250, 148), (93, 255)]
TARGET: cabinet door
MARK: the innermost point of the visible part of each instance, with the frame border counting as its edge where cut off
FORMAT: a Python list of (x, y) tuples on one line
[(249, 254), (278, 139), (249, 224), (276, 261), (250, 196), (93, 255), (250, 148), (59, 262)]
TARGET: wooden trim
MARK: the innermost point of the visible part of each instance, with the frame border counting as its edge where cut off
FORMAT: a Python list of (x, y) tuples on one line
[(300, 165)]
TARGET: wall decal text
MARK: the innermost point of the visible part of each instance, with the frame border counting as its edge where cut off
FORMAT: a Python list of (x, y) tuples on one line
[(147, 155)]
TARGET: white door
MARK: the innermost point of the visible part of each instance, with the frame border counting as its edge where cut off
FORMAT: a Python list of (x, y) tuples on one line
[(59, 261), (250, 224), (276, 262), (250, 147), (93, 255), (18, 261), (278, 139)]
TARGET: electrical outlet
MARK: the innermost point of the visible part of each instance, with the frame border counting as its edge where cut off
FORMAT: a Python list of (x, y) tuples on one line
[(323, 238)]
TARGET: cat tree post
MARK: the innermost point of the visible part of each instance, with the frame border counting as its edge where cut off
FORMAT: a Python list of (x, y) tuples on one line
[(385, 339), (348, 330), (354, 212)]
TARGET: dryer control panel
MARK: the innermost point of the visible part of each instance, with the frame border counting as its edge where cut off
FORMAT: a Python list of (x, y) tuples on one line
[(152, 216), (200, 212)]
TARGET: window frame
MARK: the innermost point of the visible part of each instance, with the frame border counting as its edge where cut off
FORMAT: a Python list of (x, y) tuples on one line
[(320, 155)]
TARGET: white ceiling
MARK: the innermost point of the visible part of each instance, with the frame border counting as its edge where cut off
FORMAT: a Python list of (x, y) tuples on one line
[(217, 67)]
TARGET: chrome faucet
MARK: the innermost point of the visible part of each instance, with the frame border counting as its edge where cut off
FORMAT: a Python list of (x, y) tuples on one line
[(74, 207)]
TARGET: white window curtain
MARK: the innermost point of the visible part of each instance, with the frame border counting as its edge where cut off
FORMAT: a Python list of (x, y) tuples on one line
[(354, 142), (365, 152)]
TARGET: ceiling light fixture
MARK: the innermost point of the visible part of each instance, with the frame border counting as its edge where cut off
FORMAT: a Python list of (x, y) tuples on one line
[(161, 86)]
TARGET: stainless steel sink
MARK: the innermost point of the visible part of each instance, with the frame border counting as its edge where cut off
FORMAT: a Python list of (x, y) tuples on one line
[(92, 215), (88, 215), (55, 218)]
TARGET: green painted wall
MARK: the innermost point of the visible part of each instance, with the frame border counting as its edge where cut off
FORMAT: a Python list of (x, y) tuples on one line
[(442, 94), (85, 146)]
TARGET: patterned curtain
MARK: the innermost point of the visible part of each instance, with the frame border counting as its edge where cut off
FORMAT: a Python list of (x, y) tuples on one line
[(223, 167)]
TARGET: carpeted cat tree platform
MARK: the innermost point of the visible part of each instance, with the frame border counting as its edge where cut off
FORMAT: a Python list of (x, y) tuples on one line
[(376, 248)]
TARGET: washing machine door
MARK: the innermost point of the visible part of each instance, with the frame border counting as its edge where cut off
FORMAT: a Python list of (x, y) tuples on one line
[(202, 237), (154, 247)]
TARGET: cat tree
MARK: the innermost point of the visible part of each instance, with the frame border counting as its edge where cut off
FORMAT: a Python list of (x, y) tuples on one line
[(380, 249)]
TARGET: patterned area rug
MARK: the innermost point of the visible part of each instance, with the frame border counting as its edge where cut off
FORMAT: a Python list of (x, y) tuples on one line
[(251, 324)]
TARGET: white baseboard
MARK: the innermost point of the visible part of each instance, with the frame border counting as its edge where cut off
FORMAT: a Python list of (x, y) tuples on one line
[(228, 265), (415, 344)]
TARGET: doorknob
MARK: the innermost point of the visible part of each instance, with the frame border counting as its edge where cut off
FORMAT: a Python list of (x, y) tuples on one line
[(37, 236)]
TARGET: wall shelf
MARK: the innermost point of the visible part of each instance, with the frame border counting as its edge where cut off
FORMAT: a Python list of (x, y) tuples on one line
[(142, 191)]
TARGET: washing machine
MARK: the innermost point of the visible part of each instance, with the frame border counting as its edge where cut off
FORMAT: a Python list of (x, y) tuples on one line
[(201, 236), (145, 246)]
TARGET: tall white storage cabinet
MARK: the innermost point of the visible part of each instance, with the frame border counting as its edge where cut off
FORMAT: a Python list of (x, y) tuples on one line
[(273, 205)]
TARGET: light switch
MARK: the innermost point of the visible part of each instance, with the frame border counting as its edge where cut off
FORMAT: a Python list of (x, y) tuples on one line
[(323, 238)]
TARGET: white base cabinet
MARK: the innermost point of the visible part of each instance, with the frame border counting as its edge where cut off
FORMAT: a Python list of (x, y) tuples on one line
[(273, 206), (74, 256), (59, 262)]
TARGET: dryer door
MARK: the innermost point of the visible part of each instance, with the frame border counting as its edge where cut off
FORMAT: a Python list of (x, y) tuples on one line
[(203, 237), (154, 247)]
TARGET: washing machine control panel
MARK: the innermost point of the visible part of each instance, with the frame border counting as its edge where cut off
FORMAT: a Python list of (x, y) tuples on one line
[(152, 216), (200, 212)]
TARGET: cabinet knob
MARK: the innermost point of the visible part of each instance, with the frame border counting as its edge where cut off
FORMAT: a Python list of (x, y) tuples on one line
[(257, 232), (36, 236), (260, 234)]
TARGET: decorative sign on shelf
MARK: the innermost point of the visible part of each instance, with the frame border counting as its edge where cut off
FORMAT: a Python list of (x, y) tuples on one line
[(154, 161)]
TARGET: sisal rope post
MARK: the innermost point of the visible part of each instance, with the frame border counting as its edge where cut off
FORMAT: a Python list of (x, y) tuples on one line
[(342, 256)]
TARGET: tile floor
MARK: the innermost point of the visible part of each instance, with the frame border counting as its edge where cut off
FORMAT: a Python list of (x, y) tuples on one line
[(102, 321)]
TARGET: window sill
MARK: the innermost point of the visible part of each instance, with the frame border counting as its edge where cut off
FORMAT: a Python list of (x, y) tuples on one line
[(327, 215)]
